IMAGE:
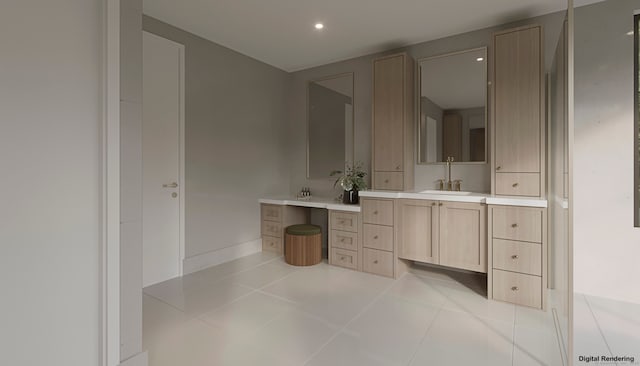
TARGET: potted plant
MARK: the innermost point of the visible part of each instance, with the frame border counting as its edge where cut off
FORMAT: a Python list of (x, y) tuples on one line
[(351, 182)]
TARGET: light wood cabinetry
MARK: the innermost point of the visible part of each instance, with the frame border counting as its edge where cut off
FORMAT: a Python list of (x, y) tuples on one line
[(518, 255), (447, 233), (393, 124), (274, 219), (518, 117), (344, 239)]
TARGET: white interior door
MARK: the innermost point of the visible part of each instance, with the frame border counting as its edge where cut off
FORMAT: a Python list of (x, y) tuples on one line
[(162, 107)]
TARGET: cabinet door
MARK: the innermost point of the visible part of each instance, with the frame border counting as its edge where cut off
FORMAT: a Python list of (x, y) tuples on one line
[(388, 113), (463, 242), (518, 100), (417, 230)]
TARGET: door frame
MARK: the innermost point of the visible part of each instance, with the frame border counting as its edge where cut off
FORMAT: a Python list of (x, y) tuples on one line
[(181, 152)]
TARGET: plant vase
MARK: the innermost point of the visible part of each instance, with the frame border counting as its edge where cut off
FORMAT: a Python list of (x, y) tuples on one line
[(350, 197)]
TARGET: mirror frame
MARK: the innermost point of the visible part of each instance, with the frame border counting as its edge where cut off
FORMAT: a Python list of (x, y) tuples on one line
[(351, 151), (486, 108)]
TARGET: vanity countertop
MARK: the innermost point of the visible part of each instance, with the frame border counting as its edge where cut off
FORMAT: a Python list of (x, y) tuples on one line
[(314, 202), (453, 197)]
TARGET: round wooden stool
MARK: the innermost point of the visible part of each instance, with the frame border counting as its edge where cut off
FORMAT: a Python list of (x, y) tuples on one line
[(303, 245)]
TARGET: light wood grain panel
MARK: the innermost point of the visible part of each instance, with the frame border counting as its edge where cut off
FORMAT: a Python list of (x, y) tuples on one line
[(378, 262), (517, 256), (518, 184), (345, 221), (272, 228), (344, 240), (452, 136), (271, 212), (517, 223), (377, 237), (517, 288), (375, 211), (518, 100), (389, 181), (345, 258), (388, 116), (463, 236), (417, 230), (272, 244)]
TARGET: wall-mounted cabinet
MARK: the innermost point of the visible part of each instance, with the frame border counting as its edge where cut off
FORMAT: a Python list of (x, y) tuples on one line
[(518, 113), (452, 234), (393, 123)]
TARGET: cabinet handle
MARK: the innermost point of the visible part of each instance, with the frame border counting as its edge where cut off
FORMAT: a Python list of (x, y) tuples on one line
[(375, 237), (514, 257), (514, 225), (272, 244), (375, 212), (341, 222), (514, 185), (341, 258), (440, 204), (398, 167), (386, 180), (515, 288), (375, 262), (342, 240), (433, 204), (498, 167)]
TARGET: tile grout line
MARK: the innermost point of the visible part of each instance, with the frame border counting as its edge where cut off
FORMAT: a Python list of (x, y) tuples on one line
[(340, 330), (426, 332), (604, 339), (513, 338)]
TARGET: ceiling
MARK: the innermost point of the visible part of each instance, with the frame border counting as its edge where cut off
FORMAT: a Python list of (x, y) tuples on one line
[(281, 32)]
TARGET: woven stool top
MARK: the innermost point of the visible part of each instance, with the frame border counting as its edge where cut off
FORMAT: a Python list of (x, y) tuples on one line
[(303, 229)]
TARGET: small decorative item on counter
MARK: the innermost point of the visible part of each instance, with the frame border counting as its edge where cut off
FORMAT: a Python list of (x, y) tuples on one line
[(351, 182), (305, 193)]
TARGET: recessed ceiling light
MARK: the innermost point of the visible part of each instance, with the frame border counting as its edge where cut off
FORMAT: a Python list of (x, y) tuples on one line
[(319, 25), (480, 59)]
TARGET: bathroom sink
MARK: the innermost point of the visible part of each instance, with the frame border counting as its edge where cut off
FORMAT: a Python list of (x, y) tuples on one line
[(456, 193)]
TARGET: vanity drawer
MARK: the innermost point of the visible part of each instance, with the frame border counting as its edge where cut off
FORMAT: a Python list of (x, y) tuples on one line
[(344, 258), (390, 181), (377, 237), (517, 223), (344, 240), (377, 262), (272, 213), (517, 256), (517, 288), (345, 221), (272, 228), (379, 212), (272, 244), (518, 184)]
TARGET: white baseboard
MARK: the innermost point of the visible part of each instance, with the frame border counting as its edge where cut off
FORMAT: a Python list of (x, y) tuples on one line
[(141, 359), (205, 260)]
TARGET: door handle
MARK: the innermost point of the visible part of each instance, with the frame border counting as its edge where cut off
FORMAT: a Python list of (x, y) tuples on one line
[(172, 185)]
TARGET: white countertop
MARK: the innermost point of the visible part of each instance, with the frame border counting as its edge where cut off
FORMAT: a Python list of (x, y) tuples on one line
[(314, 202), (472, 197)]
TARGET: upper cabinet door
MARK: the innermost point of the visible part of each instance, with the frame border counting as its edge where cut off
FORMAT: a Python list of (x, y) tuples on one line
[(518, 101), (417, 230), (388, 113), (463, 236)]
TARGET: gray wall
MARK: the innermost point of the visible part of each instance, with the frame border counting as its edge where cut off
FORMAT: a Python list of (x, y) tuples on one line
[(606, 245), (50, 158), (476, 177), (236, 140), (130, 178)]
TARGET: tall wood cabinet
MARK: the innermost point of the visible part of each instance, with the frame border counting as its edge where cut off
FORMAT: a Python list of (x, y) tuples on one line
[(393, 125), (518, 112)]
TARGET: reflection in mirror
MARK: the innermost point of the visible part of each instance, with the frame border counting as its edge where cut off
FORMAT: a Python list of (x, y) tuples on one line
[(453, 98), (329, 125)]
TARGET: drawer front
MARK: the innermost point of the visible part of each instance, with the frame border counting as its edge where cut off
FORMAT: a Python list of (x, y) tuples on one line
[(377, 237), (272, 244), (272, 228), (344, 240), (379, 212), (517, 256), (518, 184), (517, 288), (390, 181), (517, 223), (377, 262), (344, 258), (272, 213), (344, 221)]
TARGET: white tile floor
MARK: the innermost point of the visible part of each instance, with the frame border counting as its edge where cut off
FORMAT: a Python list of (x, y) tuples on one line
[(260, 311)]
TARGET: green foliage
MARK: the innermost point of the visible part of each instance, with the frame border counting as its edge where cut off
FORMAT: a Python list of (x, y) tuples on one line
[(352, 179)]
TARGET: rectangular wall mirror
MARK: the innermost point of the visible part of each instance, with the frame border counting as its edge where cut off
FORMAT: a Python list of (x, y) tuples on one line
[(329, 125), (453, 107)]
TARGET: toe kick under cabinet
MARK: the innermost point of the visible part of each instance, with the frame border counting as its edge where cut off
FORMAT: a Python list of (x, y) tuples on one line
[(518, 255)]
